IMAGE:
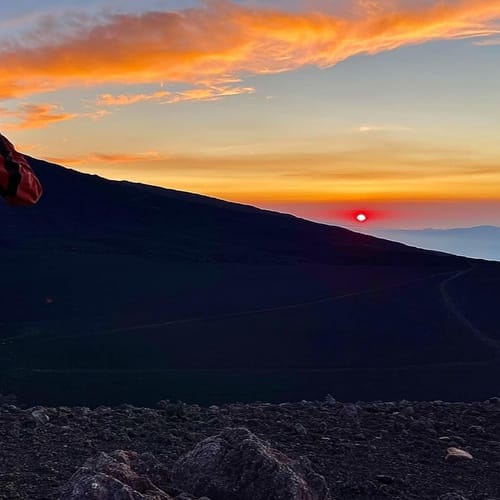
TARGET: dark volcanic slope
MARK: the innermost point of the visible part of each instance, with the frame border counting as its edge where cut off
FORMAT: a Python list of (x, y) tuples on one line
[(365, 451), (120, 292), (91, 213)]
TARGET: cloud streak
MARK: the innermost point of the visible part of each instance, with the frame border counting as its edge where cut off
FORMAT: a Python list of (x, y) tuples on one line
[(35, 116), (30, 116), (488, 42), (212, 93), (348, 175), (110, 158), (382, 128), (222, 40)]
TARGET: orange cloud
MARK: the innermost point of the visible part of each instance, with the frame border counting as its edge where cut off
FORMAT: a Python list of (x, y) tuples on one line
[(212, 93), (60, 160), (35, 116), (125, 157), (222, 40), (208, 93), (30, 116), (109, 158), (126, 100)]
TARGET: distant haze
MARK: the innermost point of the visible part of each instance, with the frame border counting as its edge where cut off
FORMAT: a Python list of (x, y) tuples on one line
[(481, 242)]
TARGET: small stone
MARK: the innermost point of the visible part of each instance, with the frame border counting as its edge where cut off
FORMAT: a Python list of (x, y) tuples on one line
[(330, 400), (457, 453), (321, 427), (350, 411), (477, 429), (408, 411), (10, 407), (40, 416), (300, 429)]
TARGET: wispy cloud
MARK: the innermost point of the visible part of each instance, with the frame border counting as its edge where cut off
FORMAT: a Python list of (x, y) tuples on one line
[(383, 128), (223, 39), (488, 42), (127, 157), (35, 116), (67, 161), (208, 93), (110, 158), (371, 6), (128, 99), (29, 116), (212, 93)]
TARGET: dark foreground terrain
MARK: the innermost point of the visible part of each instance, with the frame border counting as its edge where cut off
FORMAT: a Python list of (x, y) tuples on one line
[(126, 293), (363, 451)]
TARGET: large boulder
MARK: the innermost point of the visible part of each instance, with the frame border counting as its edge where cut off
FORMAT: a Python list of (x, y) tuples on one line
[(237, 465), (121, 475)]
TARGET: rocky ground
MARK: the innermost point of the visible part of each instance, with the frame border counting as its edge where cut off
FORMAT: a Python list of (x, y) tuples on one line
[(300, 451)]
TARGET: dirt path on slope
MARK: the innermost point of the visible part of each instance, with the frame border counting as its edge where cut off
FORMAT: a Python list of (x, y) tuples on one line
[(454, 309)]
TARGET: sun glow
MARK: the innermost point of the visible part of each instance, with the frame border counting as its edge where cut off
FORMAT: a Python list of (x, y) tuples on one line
[(361, 217)]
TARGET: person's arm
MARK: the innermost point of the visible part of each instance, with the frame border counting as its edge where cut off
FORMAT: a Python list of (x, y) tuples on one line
[(18, 183)]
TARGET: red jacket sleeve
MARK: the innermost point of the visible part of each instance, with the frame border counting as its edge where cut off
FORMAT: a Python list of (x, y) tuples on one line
[(18, 183)]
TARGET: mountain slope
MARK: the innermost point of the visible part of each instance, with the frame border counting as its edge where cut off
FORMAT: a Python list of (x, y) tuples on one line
[(124, 292), (126, 218)]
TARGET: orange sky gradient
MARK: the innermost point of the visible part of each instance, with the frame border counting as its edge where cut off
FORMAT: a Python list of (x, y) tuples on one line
[(222, 98)]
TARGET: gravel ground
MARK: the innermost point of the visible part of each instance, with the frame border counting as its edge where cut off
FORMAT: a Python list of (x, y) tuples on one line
[(365, 450)]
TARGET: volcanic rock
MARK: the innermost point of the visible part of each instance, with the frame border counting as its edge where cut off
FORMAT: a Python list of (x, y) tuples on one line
[(237, 465), (115, 476)]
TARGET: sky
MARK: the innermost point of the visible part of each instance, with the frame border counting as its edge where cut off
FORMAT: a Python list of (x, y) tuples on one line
[(320, 108)]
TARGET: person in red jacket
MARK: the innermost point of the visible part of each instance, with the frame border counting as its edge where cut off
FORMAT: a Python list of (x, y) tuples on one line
[(18, 183)]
